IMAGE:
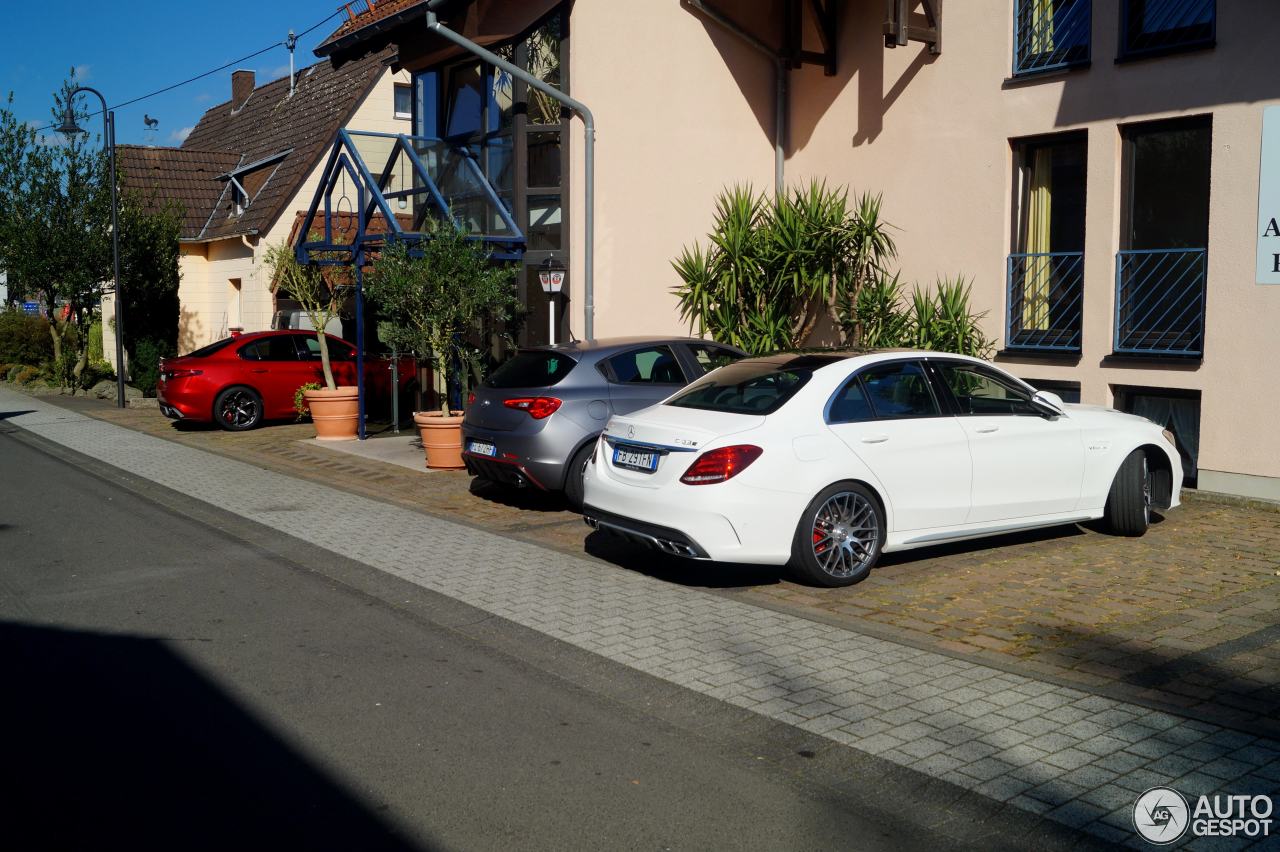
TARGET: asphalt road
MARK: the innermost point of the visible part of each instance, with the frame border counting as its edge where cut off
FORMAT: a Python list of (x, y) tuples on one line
[(177, 677)]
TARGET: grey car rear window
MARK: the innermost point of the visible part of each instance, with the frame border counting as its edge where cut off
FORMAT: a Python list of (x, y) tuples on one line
[(747, 387), (532, 369)]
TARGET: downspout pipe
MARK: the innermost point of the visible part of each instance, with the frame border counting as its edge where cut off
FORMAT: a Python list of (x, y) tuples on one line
[(781, 94), (589, 153)]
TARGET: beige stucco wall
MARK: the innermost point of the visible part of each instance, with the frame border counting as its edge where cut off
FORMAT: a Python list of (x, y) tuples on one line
[(208, 303), (674, 126), (933, 135)]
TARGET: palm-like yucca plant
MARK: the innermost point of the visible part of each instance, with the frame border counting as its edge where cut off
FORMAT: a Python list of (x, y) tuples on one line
[(878, 314), (942, 320)]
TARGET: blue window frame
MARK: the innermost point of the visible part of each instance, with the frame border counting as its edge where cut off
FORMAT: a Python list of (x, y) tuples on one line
[(1152, 27), (1049, 35)]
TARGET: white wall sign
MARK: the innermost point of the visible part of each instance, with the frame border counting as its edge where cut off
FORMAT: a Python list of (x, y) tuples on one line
[(1269, 199)]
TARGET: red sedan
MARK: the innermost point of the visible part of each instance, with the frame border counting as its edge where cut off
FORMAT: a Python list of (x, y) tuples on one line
[(239, 382)]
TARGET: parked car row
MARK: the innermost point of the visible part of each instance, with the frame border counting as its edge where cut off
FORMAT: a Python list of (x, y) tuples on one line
[(820, 461)]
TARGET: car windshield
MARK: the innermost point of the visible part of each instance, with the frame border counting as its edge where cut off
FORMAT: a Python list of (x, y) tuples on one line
[(206, 351), (747, 387), (535, 368)]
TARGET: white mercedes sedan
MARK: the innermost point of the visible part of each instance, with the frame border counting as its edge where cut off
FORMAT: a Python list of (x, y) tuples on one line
[(825, 461)]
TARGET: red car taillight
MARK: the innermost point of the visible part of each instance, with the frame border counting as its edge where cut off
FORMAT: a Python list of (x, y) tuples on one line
[(719, 465), (537, 407), (182, 374), (471, 399)]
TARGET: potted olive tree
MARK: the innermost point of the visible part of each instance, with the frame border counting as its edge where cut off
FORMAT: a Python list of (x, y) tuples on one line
[(321, 291), (437, 299)]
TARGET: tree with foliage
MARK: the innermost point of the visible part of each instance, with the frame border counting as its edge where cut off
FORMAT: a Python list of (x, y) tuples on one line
[(322, 291), (149, 255), (55, 240), (438, 297), (775, 269)]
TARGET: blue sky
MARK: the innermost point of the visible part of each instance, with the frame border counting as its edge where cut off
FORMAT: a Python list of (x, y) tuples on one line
[(129, 48)]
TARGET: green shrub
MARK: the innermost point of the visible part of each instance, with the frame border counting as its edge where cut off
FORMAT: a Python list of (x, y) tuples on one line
[(12, 374), (94, 372), (96, 355), (24, 339), (144, 369), (27, 376)]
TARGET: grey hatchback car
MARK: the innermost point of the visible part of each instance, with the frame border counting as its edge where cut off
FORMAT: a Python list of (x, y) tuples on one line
[(535, 420)]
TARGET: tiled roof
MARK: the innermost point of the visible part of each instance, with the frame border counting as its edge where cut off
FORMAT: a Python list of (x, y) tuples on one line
[(267, 125), (366, 13), (185, 175)]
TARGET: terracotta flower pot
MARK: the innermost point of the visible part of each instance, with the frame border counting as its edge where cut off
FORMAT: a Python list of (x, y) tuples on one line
[(441, 438), (335, 413)]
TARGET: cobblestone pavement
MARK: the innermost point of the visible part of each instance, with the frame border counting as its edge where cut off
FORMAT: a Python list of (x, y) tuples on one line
[(1076, 757), (1186, 618)]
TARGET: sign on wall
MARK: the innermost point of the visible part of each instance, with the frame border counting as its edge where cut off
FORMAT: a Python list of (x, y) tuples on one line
[(1269, 199)]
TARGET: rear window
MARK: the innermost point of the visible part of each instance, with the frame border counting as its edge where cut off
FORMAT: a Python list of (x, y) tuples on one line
[(532, 369), (747, 387), (206, 351)]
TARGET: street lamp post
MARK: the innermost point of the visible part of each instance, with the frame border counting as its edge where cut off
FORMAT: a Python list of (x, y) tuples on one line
[(69, 127)]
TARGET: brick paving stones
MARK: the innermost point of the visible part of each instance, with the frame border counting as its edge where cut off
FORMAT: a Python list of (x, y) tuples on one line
[(856, 689)]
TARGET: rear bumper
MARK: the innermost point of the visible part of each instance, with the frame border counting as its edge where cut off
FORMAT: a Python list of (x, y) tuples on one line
[(170, 412), (540, 457), (664, 539), (505, 471)]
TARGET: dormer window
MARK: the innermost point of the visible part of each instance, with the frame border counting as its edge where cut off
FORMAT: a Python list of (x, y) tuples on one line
[(244, 183)]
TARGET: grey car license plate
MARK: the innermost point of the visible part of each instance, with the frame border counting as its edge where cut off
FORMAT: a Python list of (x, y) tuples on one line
[(635, 458), (482, 448)]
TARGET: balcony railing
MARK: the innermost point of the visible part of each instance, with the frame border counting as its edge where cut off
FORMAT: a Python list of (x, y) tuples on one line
[(1160, 301), (1046, 298), (1050, 34)]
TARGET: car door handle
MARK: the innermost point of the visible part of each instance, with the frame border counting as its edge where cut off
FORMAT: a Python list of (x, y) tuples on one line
[(875, 439), (986, 430), (258, 371)]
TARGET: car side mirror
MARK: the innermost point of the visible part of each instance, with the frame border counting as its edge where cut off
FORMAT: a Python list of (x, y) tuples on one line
[(1049, 404)]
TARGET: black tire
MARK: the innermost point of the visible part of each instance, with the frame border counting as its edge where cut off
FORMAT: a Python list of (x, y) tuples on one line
[(573, 474), (1128, 510), (853, 543), (238, 409)]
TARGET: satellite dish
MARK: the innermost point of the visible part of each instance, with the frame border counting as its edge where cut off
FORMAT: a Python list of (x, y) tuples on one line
[(152, 123)]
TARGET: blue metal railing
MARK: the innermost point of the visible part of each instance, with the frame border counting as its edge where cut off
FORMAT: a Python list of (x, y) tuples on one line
[(1046, 301), (1160, 301), (1050, 34), (1161, 25)]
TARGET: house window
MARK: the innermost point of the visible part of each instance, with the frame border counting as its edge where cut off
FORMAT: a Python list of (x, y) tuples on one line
[(1051, 34), (1150, 27), (403, 101), (1160, 274), (1067, 391), (1175, 410), (1046, 270)]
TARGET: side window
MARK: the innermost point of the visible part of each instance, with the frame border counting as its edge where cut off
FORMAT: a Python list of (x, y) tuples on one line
[(899, 390), (850, 404), (309, 349), (276, 348), (980, 391), (709, 357), (654, 366)]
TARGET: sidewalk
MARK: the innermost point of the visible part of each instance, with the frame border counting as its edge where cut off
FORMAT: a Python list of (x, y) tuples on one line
[(1185, 619), (1079, 758)]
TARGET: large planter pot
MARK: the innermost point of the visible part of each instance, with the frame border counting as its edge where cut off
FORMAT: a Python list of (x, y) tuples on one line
[(441, 438), (335, 413)]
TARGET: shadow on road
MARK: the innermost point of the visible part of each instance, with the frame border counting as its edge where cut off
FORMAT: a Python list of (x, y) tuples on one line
[(5, 415), (115, 740)]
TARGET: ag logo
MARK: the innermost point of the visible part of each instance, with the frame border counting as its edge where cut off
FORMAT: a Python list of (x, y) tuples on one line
[(1161, 815)]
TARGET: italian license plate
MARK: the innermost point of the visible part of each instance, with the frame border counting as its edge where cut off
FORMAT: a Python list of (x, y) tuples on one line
[(482, 448), (634, 458)]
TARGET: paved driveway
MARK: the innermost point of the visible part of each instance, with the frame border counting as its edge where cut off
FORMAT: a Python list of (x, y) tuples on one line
[(1186, 618)]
